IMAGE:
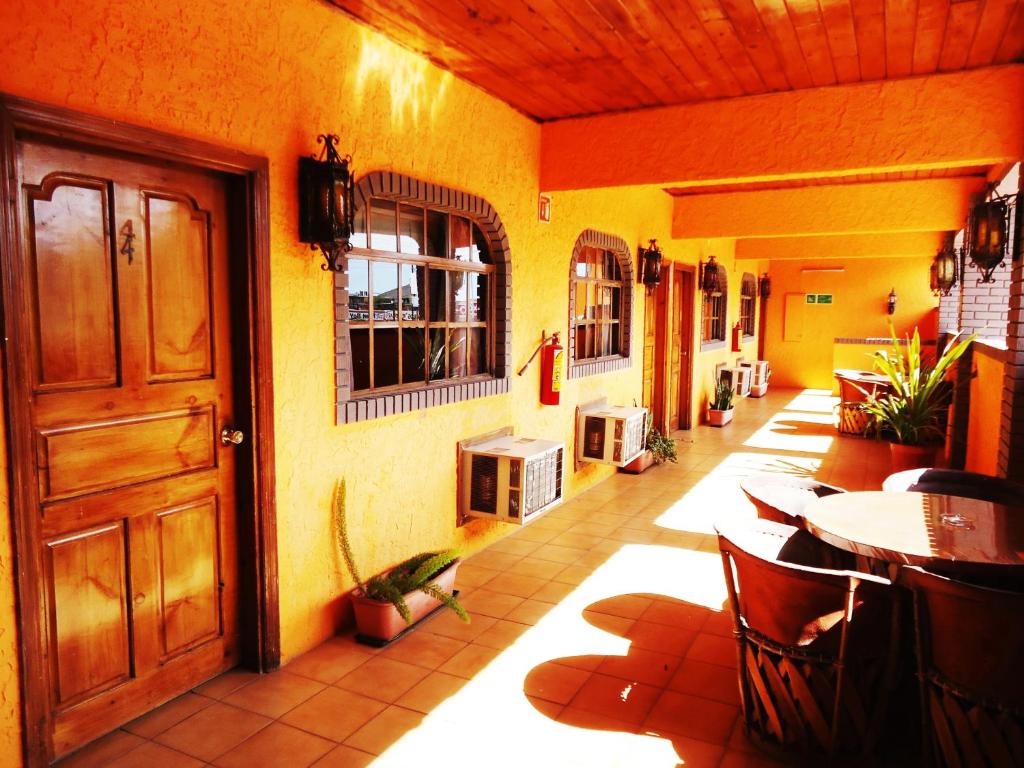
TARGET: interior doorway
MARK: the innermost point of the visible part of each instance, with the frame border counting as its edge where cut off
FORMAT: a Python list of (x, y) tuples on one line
[(139, 406), (668, 348)]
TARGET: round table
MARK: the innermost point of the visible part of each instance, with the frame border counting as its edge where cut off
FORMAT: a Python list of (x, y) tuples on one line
[(920, 528), (782, 498)]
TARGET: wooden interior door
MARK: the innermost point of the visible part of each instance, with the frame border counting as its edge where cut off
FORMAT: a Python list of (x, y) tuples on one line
[(680, 339), (124, 272)]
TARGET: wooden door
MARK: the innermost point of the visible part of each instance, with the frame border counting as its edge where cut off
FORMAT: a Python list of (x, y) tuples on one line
[(124, 271), (682, 340), (668, 348)]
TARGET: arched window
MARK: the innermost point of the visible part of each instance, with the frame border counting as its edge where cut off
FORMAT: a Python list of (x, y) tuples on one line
[(748, 297), (422, 310), (713, 307), (600, 304)]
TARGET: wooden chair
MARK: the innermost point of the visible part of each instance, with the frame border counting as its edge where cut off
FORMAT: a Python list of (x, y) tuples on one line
[(954, 482), (971, 671), (817, 648)]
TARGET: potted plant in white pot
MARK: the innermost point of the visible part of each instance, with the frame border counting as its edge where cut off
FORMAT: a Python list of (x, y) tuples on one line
[(911, 412), (658, 449), (391, 603), (720, 408)]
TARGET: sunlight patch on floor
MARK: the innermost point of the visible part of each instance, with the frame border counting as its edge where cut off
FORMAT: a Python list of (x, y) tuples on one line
[(813, 401)]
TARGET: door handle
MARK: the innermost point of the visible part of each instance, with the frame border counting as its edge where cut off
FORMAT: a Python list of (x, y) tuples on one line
[(229, 436)]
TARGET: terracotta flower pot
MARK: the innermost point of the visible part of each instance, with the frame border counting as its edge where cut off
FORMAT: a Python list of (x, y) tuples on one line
[(719, 418), (379, 622), (640, 463), (903, 457)]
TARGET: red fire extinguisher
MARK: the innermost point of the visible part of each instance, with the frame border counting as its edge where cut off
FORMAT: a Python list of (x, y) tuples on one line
[(551, 371), (737, 337)]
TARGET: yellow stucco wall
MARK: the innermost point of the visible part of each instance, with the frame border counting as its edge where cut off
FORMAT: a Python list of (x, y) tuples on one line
[(857, 311), (266, 77), (985, 411)]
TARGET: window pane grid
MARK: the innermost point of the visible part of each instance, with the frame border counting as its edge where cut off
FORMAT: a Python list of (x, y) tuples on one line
[(598, 304)]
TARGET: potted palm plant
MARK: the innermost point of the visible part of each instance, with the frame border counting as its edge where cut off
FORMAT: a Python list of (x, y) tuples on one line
[(720, 409), (658, 449), (911, 413), (389, 604)]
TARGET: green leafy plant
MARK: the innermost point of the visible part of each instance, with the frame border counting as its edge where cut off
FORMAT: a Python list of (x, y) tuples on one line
[(911, 411), (662, 447), (722, 400), (413, 574)]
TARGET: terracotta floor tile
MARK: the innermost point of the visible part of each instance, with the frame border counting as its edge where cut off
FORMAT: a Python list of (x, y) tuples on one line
[(529, 612), (693, 717), (582, 718), (642, 666), (656, 637), (485, 602), (513, 545), (502, 634), (576, 541), (472, 576), (274, 694), (431, 691), (384, 730), (495, 561), (553, 592), (711, 681), (328, 662), (470, 660), (696, 753), (276, 746), (448, 624), (547, 708), (633, 536), (534, 534), (713, 649), (590, 663), (383, 679), (536, 567), (345, 757), (334, 713), (212, 731), (676, 614), (171, 713), (627, 606), (226, 683), (423, 649), (574, 574), (103, 751), (614, 698), (554, 682), (513, 584), (720, 624), (153, 755), (559, 554)]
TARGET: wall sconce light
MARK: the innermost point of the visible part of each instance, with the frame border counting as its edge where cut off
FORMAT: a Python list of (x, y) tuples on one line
[(709, 282), (989, 237), (327, 203), (944, 269), (764, 286), (650, 264), (890, 305)]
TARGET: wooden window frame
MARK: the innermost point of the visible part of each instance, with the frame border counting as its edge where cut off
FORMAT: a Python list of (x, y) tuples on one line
[(617, 246), (748, 305), (258, 592), (365, 404), (718, 302)]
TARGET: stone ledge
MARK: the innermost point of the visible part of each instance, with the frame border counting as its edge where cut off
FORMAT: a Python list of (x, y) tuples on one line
[(379, 406)]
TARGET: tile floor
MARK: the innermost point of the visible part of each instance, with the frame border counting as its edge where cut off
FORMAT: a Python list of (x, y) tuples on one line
[(598, 636)]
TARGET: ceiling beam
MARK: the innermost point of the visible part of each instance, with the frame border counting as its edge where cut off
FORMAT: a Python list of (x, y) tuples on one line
[(929, 205), (816, 247), (939, 121)]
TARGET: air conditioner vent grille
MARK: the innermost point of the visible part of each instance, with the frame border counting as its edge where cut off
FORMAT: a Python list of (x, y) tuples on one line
[(484, 484)]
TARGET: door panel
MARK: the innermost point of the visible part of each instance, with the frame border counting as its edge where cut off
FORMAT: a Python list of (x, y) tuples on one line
[(136, 493), (88, 612), (73, 298), (178, 295)]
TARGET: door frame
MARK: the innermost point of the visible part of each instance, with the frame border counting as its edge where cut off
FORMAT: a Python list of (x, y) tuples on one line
[(687, 322), (663, 325), (247, 177)]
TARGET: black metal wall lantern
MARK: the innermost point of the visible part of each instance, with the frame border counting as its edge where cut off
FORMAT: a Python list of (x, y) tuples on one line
[(944, 269), (764, 286), (709, 276), (989, 234), (890, 304), (327, 203), (650, 264)]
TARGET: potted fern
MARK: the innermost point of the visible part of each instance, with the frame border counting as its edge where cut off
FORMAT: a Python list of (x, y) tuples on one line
[(720, 408), (911, 412), (389, 604)]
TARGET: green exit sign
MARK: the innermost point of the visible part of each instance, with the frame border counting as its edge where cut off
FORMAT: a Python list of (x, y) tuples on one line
[(818, 298)]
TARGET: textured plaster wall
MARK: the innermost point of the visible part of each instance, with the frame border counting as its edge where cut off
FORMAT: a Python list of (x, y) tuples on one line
[(963, 118), (983, 416), (266, 77), (848, 246), (929, 205), (858, 311)]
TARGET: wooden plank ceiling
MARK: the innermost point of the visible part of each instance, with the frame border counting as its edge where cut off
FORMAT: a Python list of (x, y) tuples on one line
[(553, 59)]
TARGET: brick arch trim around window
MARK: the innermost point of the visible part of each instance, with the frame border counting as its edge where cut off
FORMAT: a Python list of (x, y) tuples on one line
[(396, 186), (594, 239)]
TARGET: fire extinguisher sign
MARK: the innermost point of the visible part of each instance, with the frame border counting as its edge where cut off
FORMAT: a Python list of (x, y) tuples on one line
[(556, 371)]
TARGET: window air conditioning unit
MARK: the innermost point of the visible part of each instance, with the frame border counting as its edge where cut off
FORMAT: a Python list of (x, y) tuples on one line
[(739, 380), (760, 373), (511, 479), (610, 434)]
